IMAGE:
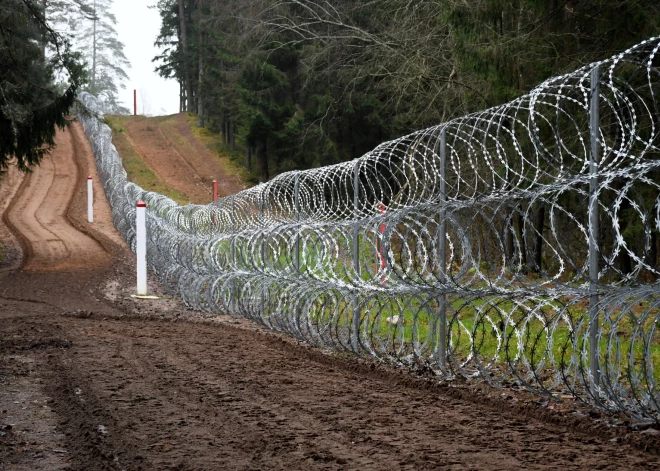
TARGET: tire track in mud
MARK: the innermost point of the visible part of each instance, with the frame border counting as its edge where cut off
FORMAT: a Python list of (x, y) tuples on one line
[(202, 397), (38, 213)]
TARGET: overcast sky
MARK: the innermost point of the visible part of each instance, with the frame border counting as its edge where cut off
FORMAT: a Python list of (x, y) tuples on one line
[(137, 27)]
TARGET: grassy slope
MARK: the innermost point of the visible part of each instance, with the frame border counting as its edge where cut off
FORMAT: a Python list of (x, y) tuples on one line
[(213, 142), (141, 174), (138, 170)]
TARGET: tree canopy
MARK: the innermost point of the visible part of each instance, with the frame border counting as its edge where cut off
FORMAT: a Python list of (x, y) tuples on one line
[(36, 91), (305, 83), (90, 27)]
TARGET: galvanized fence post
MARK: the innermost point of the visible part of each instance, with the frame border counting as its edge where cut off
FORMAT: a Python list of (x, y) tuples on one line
[(262, 205), (355, 331), (594, 158), (233, 253), (296, 202), (296, 198), (442, 254)]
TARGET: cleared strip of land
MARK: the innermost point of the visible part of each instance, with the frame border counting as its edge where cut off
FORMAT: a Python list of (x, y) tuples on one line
[(93, 379), (164, 154)]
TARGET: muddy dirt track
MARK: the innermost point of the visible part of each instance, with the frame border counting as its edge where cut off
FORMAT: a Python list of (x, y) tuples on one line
[(93, 379)]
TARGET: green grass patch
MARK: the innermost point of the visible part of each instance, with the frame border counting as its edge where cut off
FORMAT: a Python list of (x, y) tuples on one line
[(138, 170), (213, 142)]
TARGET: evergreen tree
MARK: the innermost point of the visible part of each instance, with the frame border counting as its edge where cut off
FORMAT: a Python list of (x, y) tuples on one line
[(36, 91), (309, 82), (91, 26)]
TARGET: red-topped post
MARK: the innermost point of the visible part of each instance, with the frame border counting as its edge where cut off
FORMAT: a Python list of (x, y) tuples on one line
[(381, 256), (141, 247), (134, 102), (215, 190), (90, 200)]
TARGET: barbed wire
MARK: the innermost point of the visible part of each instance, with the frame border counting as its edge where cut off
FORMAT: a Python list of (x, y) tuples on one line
[(519, 243)]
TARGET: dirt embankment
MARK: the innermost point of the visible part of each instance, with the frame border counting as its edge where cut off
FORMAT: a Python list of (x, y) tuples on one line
[(178, 159), (93, 379)]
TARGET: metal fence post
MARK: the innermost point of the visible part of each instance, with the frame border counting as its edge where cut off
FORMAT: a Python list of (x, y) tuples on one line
[(233, 252), (355, 341), (442, 254), (262, 206), (594, 119), (296, 199), (296, 202)]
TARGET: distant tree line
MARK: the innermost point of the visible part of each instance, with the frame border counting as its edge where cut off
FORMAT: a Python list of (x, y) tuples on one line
[(307, 83), (49, 51), (37, 90)]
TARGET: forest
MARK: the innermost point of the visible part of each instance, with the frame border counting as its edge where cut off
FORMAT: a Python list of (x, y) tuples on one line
[(297, 84), (49, 51)]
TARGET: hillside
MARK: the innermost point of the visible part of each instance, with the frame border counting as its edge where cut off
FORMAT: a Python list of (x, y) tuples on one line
[(170, 155)]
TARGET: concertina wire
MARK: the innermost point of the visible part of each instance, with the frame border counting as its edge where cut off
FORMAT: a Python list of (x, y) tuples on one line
[(516, 245)]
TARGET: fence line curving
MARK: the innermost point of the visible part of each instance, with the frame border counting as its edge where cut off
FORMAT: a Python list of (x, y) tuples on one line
[(519, 243)]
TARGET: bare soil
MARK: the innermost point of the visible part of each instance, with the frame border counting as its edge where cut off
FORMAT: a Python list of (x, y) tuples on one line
[(91, 378), (178, 159)]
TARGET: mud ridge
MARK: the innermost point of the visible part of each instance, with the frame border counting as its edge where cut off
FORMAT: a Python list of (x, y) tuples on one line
[(22, 240), (77, 207)]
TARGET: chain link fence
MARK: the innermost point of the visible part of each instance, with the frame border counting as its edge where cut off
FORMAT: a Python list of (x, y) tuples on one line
[(517, 244)]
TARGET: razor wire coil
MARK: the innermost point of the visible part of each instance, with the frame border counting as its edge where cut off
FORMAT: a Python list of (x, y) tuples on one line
[(468, 247)]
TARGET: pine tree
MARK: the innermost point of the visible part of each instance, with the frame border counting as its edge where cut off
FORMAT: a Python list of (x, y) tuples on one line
[(94, 35), (171, 58), (32, 103)]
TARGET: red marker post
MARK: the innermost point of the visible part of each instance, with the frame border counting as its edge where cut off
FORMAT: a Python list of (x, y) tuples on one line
[(379, 246), (134, 102)]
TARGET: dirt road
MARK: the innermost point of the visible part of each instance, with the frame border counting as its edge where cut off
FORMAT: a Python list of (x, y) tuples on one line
[(92, 379), (168, 146)]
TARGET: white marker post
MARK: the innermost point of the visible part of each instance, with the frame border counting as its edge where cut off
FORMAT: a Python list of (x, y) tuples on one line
[(90, 200), (141, 248)]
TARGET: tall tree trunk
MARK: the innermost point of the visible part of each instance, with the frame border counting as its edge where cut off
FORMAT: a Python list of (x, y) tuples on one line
[(93, 84), (262, 162), (200, 108), (653, 252), (181, 96), (521, 235), (508, 239), (232, 135), (43, 46), (186, 68), (538, 243), (248, 159)]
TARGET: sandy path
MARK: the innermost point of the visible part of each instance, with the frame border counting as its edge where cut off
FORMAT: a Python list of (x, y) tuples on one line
[(39, 212)]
